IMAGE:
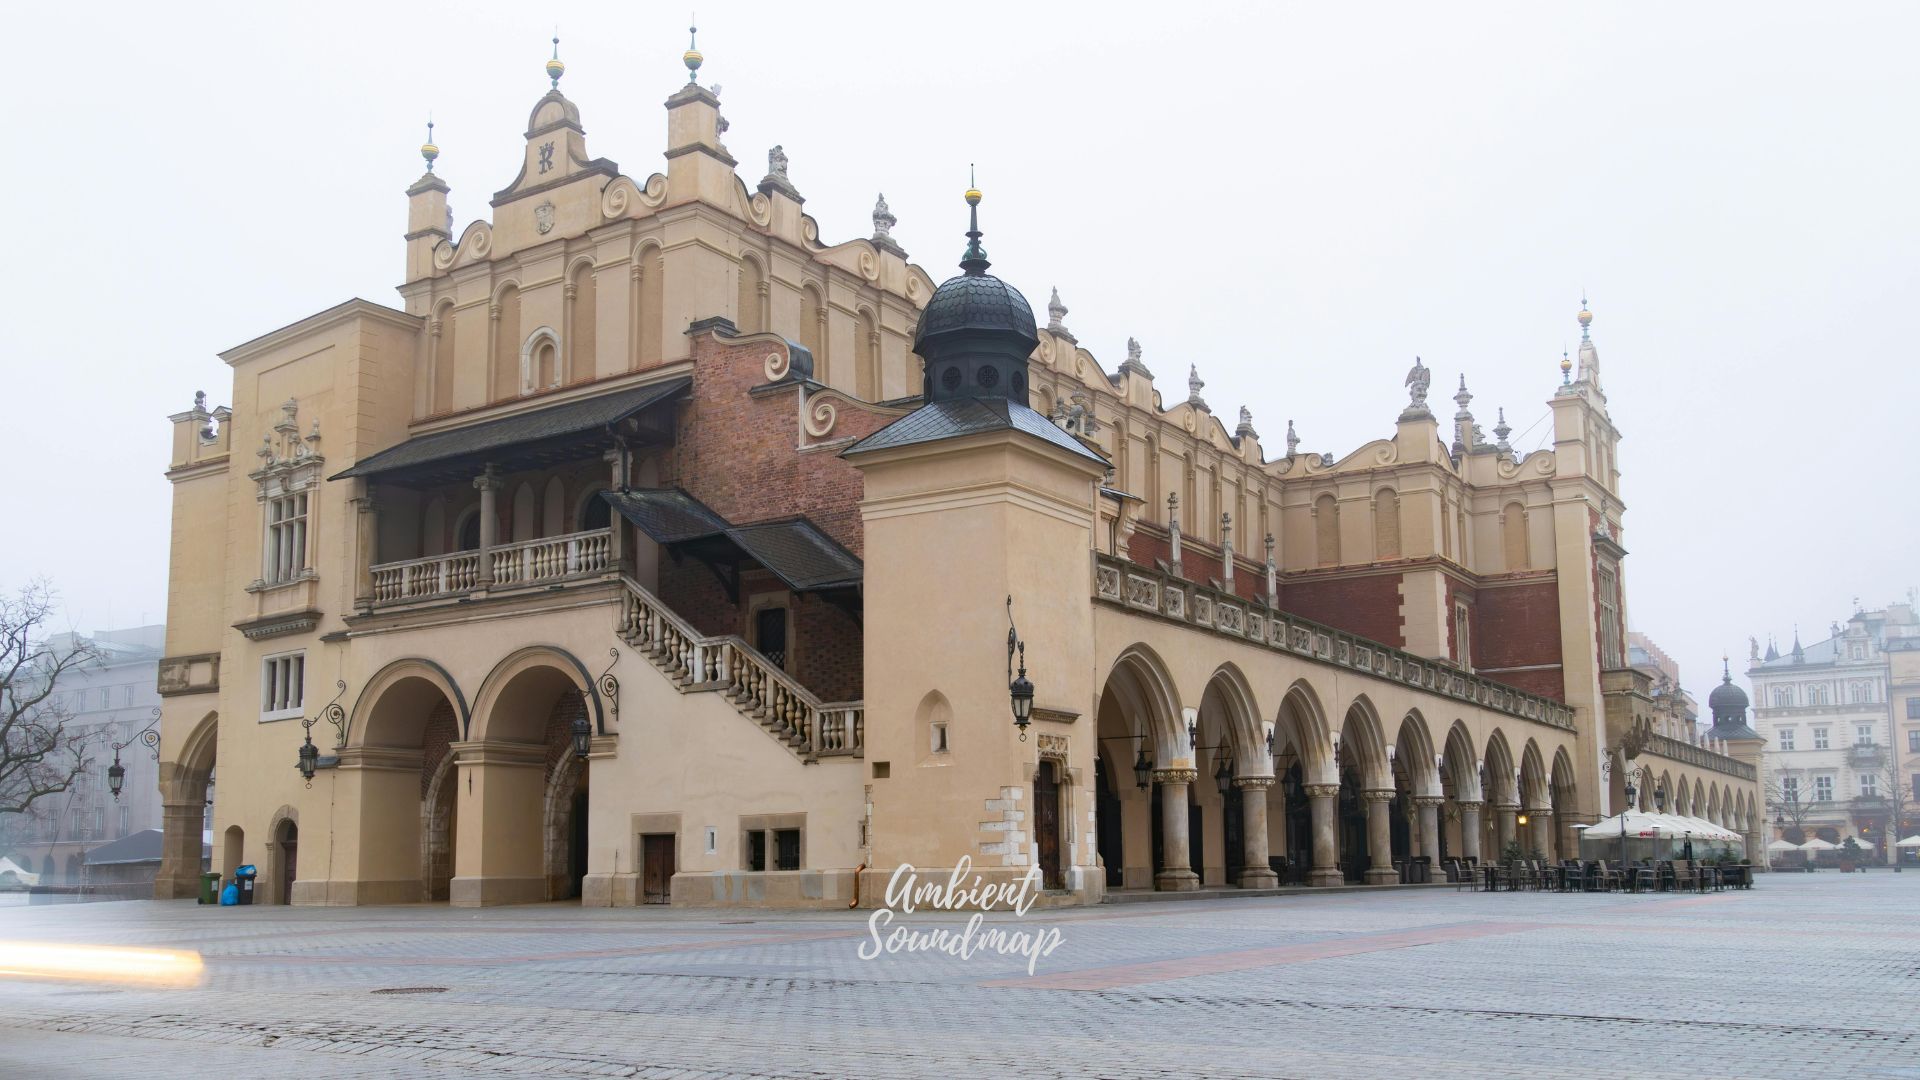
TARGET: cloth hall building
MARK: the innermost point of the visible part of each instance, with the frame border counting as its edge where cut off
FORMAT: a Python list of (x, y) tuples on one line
[(654, 548)]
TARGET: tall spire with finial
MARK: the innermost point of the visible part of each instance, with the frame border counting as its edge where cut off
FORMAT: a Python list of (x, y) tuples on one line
[(974, 261), (555, 68), (692, 57), (1566, 368), (427, 149)]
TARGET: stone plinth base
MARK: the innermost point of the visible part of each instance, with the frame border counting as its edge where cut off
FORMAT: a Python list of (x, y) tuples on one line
[(1328, 875), (494, 891), (176, 888), (1176, 881), (1382, 876), (325, 893), (1259, 878), (822, 889)]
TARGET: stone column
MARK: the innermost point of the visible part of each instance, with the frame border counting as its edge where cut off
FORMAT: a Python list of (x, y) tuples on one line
[(366, 539), (1176, 872), (1541, 818), (488, 484), (1326, 864), (1257, 874), (1503, 826), (1428, 809), (616, 459), (180, 861), (1380, 836), (1470, 830)]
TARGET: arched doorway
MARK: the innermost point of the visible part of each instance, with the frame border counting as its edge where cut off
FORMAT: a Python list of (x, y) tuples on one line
[(186, 793), (521, 790), (401, 742), (1046, 824), (286, 842)]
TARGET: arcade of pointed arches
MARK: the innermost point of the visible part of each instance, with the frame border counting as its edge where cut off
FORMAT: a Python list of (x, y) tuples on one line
[(1189, 797)]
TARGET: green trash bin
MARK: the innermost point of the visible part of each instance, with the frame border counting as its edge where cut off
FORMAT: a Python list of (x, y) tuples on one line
[(210, 888)]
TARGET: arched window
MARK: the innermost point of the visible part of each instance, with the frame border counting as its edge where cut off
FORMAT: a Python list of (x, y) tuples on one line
[(1513, 536), (505, 359), (747, 305), (540, 361), (649, 299), (866, 351), (595, 514), (1326, 530), (582, 329), (1386, 524), (466, 536), (813, 330), (440, 397)]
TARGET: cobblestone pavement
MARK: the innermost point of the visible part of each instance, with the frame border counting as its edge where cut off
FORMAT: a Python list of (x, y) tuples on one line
[(1806, 975)]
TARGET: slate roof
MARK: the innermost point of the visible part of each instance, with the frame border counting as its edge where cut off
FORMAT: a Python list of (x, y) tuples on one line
[(556, 422), (669, 515), (794, 549), (975, 302), (956, 417), (142, 846)]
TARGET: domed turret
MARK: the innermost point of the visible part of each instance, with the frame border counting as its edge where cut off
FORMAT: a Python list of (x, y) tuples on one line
[(977, 331), (1728, 704)]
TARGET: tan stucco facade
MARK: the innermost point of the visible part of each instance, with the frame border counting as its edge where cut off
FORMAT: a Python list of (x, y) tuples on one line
[(785, 658)]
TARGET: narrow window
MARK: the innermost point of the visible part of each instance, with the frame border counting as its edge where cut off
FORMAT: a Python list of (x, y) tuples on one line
[(787, 845)]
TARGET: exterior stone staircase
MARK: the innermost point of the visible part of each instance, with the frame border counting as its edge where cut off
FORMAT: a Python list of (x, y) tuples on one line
[(727, 665)]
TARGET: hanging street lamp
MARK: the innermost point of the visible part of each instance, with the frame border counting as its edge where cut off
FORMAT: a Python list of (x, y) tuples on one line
[(149, 736), (1019, 688)]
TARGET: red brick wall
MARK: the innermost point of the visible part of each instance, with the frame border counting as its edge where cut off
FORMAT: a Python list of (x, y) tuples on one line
[(1199, 563), (739, 453), (829, 655), (1518, 625), (1368, 606), (441, 730)]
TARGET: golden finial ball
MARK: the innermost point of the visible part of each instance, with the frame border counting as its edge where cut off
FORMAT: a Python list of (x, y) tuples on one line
[(1585, 316), (692, 59), (973, 196), (429, 151), (555, 69), (1566, 365)]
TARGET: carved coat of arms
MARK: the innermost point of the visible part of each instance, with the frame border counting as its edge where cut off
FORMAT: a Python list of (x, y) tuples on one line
[(543, 218)]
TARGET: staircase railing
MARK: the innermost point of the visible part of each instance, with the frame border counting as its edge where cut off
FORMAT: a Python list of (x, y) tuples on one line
[(756, 686)]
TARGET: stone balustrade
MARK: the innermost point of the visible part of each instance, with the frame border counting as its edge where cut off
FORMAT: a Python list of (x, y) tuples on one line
[(528, 562), (727, 664), (1686, 753)]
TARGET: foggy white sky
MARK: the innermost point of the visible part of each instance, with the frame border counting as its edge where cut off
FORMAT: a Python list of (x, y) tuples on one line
[(1297, 199)]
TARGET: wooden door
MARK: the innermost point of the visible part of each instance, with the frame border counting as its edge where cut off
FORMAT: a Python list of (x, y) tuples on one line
[(656, 868), (289, 843), (1046, 825)]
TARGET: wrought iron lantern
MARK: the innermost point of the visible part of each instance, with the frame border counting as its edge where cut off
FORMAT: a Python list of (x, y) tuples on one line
[(116, 772), (309, 757), (1223, 775), (1143, 770), (1019, 687), (582, 737)]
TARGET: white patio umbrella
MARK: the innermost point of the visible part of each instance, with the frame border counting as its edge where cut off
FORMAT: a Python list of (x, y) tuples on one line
[(1911, 841), (1783, 845), (1817, 844)]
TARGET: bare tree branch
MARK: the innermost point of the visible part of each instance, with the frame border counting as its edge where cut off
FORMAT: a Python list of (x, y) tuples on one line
[(38, 757)]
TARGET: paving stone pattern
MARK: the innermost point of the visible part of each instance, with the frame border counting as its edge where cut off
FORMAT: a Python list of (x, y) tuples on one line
[(1806, 975)]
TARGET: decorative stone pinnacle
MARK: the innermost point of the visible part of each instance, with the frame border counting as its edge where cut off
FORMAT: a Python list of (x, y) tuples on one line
[(883, 220), (1501, 430), (1194, 385), (1419, 377), (1293, 440), (1056, 312), (555, 68), (1463, 399), (1133, 360), (1246, 423)]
